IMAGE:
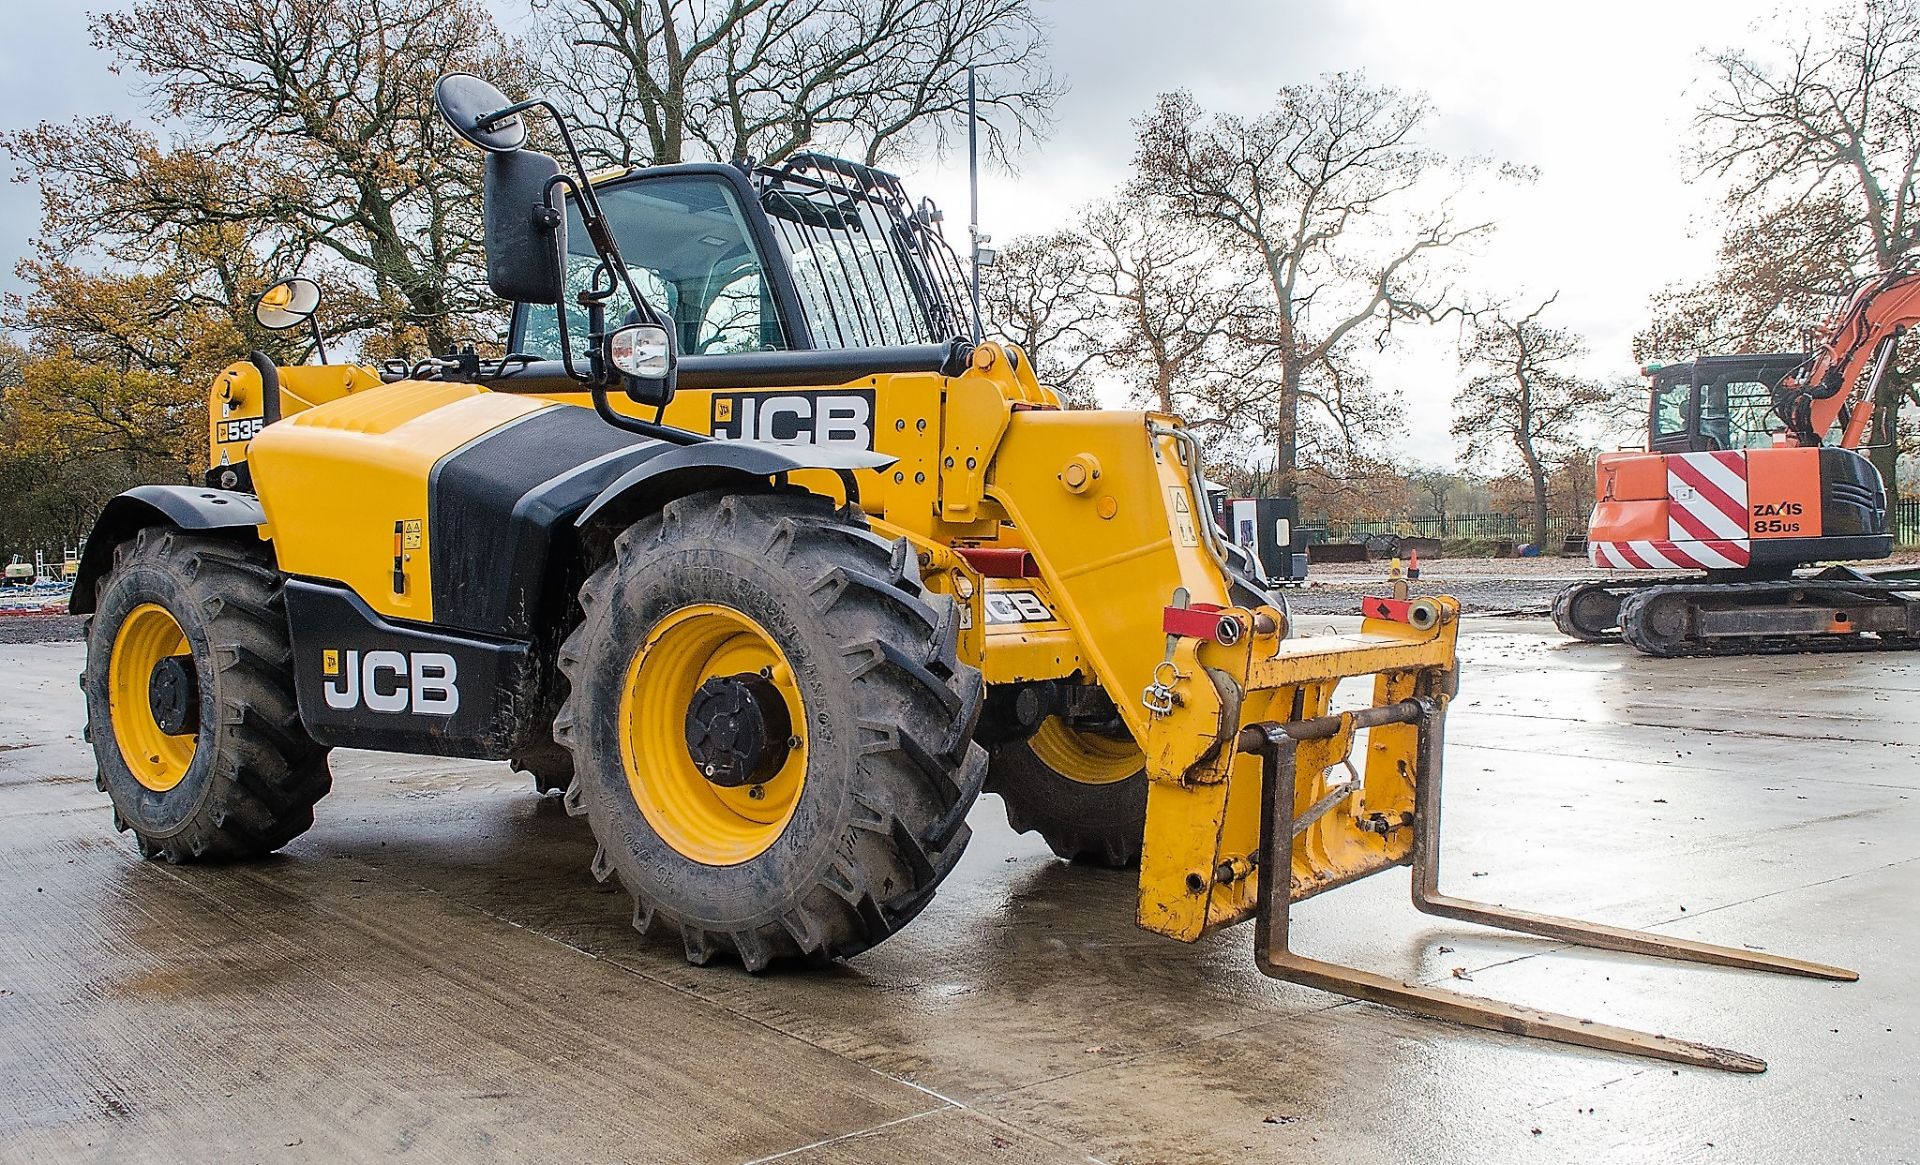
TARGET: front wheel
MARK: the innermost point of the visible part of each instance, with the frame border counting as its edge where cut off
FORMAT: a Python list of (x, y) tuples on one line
[(190, 703), (771, 733)]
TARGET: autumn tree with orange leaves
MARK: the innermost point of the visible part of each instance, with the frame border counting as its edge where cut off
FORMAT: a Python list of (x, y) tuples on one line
[(292, 137)]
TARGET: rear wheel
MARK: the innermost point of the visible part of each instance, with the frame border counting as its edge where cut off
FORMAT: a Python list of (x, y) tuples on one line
[(190, 704), (771, 733), (1083, 792)]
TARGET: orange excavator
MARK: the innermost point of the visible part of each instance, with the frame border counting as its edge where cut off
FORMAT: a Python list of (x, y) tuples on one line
[(1752, 471)]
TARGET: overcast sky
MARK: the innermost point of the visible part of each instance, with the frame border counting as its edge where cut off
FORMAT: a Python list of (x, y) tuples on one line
[(1596, 97)]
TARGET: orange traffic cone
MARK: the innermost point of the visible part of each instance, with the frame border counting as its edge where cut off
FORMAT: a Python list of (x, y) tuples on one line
[(1413, 564)]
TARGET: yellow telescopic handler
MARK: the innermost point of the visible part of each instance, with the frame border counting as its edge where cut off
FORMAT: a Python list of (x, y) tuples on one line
[(749, 548)]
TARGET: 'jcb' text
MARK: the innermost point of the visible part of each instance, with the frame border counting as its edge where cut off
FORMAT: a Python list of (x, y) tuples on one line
[(796, 418), (421, 682)]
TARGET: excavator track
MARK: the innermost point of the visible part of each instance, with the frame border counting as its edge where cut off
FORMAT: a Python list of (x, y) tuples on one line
[(1590, 611), (1779, 617)]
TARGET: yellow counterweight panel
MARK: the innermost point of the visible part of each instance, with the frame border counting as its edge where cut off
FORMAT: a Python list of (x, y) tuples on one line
[(235, 409), (345, 484)]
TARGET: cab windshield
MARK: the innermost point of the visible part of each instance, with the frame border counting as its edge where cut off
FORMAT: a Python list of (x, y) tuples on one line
[(1719, 402), (1736, 408)]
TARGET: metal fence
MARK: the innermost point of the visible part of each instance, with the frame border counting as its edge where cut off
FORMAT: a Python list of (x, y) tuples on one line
[(1498, 527), (1519, 527)]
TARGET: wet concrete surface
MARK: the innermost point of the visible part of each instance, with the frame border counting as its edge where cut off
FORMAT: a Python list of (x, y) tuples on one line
[(431, 974)]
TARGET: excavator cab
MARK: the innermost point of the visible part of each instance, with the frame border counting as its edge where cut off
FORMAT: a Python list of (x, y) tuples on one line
[(1716, 402)]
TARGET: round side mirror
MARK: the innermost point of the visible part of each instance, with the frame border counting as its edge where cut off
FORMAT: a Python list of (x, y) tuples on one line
[(287, 304), (466, 101)]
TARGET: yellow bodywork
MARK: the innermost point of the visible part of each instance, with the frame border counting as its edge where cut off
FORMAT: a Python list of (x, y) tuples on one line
[(236, 412), (364, 522), (1105, 502)]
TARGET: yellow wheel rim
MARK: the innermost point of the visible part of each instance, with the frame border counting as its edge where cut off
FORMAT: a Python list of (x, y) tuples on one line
[(148, 635), (1086, 757), (708, 823)]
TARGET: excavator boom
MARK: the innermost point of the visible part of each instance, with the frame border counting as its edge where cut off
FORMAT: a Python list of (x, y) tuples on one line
[(1840, 382)]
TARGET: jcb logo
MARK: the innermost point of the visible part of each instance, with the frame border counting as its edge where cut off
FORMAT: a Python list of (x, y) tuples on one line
[(1016, 607), (796, 418), (422, 682)]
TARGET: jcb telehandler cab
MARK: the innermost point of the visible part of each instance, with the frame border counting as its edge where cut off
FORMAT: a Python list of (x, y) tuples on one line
[(754, 552)]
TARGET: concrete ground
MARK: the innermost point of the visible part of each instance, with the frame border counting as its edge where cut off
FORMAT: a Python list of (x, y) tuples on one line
[(431, 974)]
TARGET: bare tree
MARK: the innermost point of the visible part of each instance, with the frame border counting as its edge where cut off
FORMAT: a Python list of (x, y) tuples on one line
[(1340, 210), (658, 81), (1434, 485), (1146, 299), (1818, 139), (1521, 400), (1177, 312), (1036, 295), (1355, 487)]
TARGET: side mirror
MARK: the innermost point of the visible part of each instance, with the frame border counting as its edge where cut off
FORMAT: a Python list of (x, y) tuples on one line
[(472, 106), (526, 234), (643, 355), (287, 304)]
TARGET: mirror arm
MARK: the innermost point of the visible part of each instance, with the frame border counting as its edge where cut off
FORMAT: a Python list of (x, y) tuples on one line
[(591, 216), (269, 386), (319, 341), (492, 120)]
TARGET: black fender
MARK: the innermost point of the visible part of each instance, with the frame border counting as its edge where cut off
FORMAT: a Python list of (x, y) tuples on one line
[(690, 469), (186, 506)]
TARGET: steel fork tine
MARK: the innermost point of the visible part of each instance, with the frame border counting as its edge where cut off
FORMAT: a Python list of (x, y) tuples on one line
[(1428, 899), (1275, 958)]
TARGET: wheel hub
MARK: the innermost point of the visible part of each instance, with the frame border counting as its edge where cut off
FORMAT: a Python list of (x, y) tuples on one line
[(173, 695), (738, 730)]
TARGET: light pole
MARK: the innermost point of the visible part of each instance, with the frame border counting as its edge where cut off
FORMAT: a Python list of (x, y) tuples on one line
[(973, 192)]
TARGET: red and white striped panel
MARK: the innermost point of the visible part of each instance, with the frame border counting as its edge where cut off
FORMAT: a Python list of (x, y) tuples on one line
[(1706, 519)]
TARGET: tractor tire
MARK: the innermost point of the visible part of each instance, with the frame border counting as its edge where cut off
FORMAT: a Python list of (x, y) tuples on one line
[(190, 702), (789, 617), (1084, 794)]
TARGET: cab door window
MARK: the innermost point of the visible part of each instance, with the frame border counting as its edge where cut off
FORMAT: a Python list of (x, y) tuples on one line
[(691, 254), (1671, 404)]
